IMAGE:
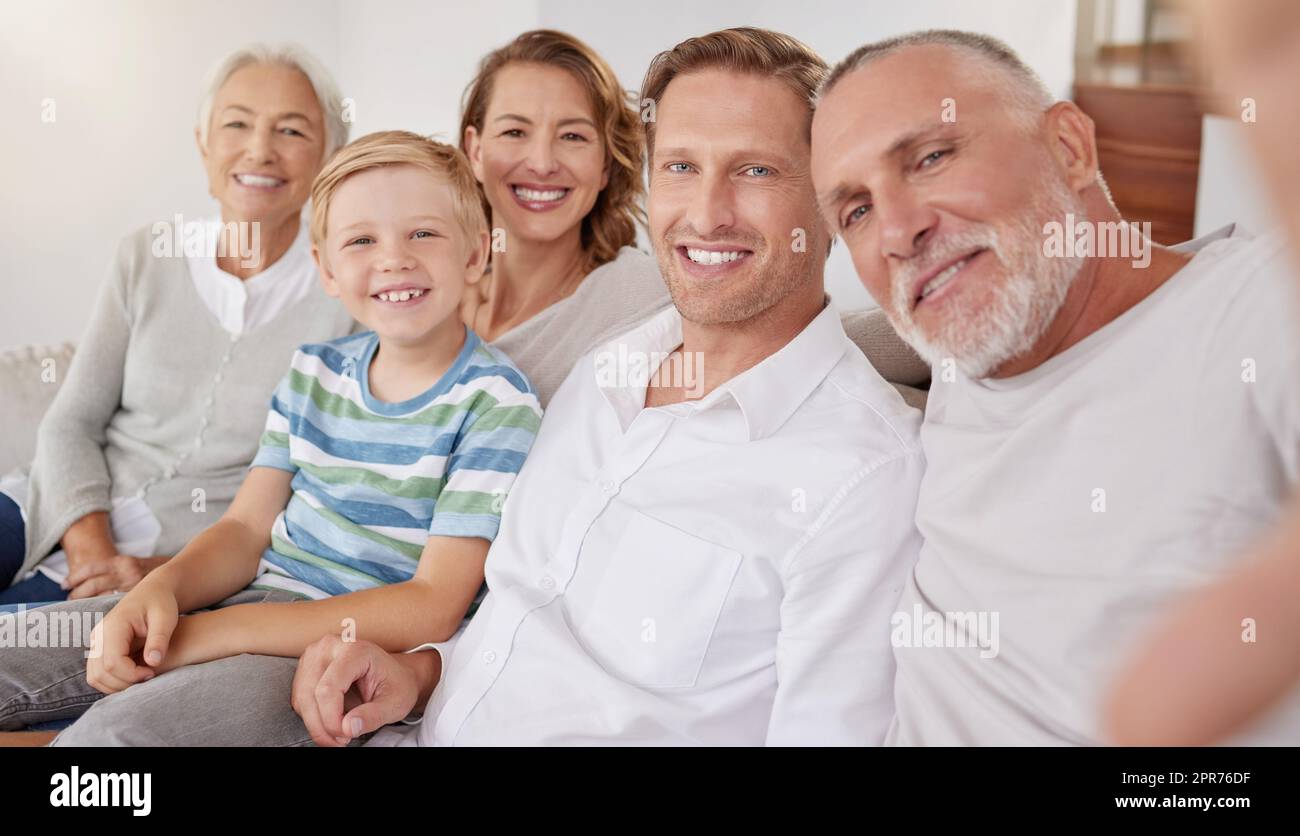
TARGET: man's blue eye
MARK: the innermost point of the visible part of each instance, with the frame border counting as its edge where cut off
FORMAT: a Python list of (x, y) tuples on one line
[(856, 214), (933, 157), (764, 170), (678, 167)]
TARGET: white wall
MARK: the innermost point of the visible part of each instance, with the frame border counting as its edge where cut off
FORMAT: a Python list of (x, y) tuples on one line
[(405, 63), (125, 76), (1228, 187)]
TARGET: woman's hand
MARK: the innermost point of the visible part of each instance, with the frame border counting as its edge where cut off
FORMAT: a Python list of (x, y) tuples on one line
[(88, 540), (109, 574)]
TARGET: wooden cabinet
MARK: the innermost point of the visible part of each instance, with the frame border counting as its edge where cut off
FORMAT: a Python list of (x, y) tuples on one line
[(1149, 150)]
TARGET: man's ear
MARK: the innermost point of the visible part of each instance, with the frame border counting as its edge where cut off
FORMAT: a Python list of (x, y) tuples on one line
[(474, 151), (327, 280), (1073, 137), (476, 265)]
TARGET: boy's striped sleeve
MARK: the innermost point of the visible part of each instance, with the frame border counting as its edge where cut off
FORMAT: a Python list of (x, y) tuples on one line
[(483, 466), (273, 447)]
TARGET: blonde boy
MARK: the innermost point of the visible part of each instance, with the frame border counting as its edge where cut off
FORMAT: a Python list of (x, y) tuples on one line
[(372, 501)]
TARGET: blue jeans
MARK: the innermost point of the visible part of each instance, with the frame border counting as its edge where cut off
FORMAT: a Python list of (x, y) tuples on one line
[(13, 547)]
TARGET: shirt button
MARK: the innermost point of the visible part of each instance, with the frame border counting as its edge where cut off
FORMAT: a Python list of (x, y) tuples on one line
[(548, 582), (489, 657)]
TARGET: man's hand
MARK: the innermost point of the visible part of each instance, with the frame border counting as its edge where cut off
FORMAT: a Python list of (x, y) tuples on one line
[(109, 574), (343, 690), (129, 645)]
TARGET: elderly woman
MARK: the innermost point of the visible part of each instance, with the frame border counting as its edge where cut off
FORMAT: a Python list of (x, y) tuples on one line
[(556, 147), (150, 434)]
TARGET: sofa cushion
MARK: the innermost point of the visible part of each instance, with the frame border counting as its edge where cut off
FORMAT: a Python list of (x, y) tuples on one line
[(29, 378)]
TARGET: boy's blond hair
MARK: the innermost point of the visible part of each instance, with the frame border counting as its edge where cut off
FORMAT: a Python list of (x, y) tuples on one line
[(385, 148)]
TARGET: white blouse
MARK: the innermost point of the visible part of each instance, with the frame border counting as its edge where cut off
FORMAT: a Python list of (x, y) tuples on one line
[(242, 305)]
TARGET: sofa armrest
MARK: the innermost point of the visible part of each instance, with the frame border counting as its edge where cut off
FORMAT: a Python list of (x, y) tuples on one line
[(29, 378)]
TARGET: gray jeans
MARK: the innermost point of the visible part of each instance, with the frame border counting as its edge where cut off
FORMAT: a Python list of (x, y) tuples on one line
[(237, 701)]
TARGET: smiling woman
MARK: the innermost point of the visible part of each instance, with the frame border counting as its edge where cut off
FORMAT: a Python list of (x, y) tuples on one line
[(148, 437), (556, 147)]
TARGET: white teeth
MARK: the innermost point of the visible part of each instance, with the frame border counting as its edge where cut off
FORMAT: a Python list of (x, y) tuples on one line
[(257, 180), (533, 194), (943, 278), (712, 256), (399, 295)]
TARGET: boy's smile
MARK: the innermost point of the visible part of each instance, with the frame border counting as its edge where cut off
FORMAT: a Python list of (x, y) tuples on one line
[(401, 295)]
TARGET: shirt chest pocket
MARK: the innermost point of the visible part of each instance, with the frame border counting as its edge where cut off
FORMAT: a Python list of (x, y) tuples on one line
[(651, 617)]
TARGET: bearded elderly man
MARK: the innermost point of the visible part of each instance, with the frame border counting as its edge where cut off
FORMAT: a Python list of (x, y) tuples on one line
[(716, 567), (1105, 429)]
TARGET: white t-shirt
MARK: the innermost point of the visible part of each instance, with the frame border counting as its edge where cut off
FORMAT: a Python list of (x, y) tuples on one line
[(1076, 500)]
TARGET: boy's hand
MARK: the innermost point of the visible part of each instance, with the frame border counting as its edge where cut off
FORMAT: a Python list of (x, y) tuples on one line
[(109, 574), (131, 642), (374, 688)]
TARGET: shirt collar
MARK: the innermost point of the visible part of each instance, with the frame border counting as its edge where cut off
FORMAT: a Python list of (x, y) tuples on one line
[(766, 394)]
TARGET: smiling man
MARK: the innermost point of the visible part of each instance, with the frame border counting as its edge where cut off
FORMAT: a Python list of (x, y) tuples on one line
[(1103, 431), (717, 569)]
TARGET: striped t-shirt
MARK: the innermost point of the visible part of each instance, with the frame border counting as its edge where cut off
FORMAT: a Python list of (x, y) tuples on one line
[(373, 480)]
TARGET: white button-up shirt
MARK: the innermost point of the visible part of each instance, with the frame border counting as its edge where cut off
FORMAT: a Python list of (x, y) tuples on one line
[(719, 571)]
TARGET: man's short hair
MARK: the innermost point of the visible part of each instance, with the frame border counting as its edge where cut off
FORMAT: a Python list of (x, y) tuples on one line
[(743, 50), (1026, 91)]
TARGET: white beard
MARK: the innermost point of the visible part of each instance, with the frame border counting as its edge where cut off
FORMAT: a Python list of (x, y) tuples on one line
[(1021, 307)]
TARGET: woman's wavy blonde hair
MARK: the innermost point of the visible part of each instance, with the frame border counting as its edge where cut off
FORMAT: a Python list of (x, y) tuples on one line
[(611, 223)]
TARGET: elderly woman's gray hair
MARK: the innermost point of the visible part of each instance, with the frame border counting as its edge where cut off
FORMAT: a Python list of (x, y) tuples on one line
[(287, 55)]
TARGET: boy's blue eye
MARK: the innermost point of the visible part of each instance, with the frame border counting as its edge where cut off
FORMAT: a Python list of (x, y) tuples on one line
[(425, 233), (678, 167)]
